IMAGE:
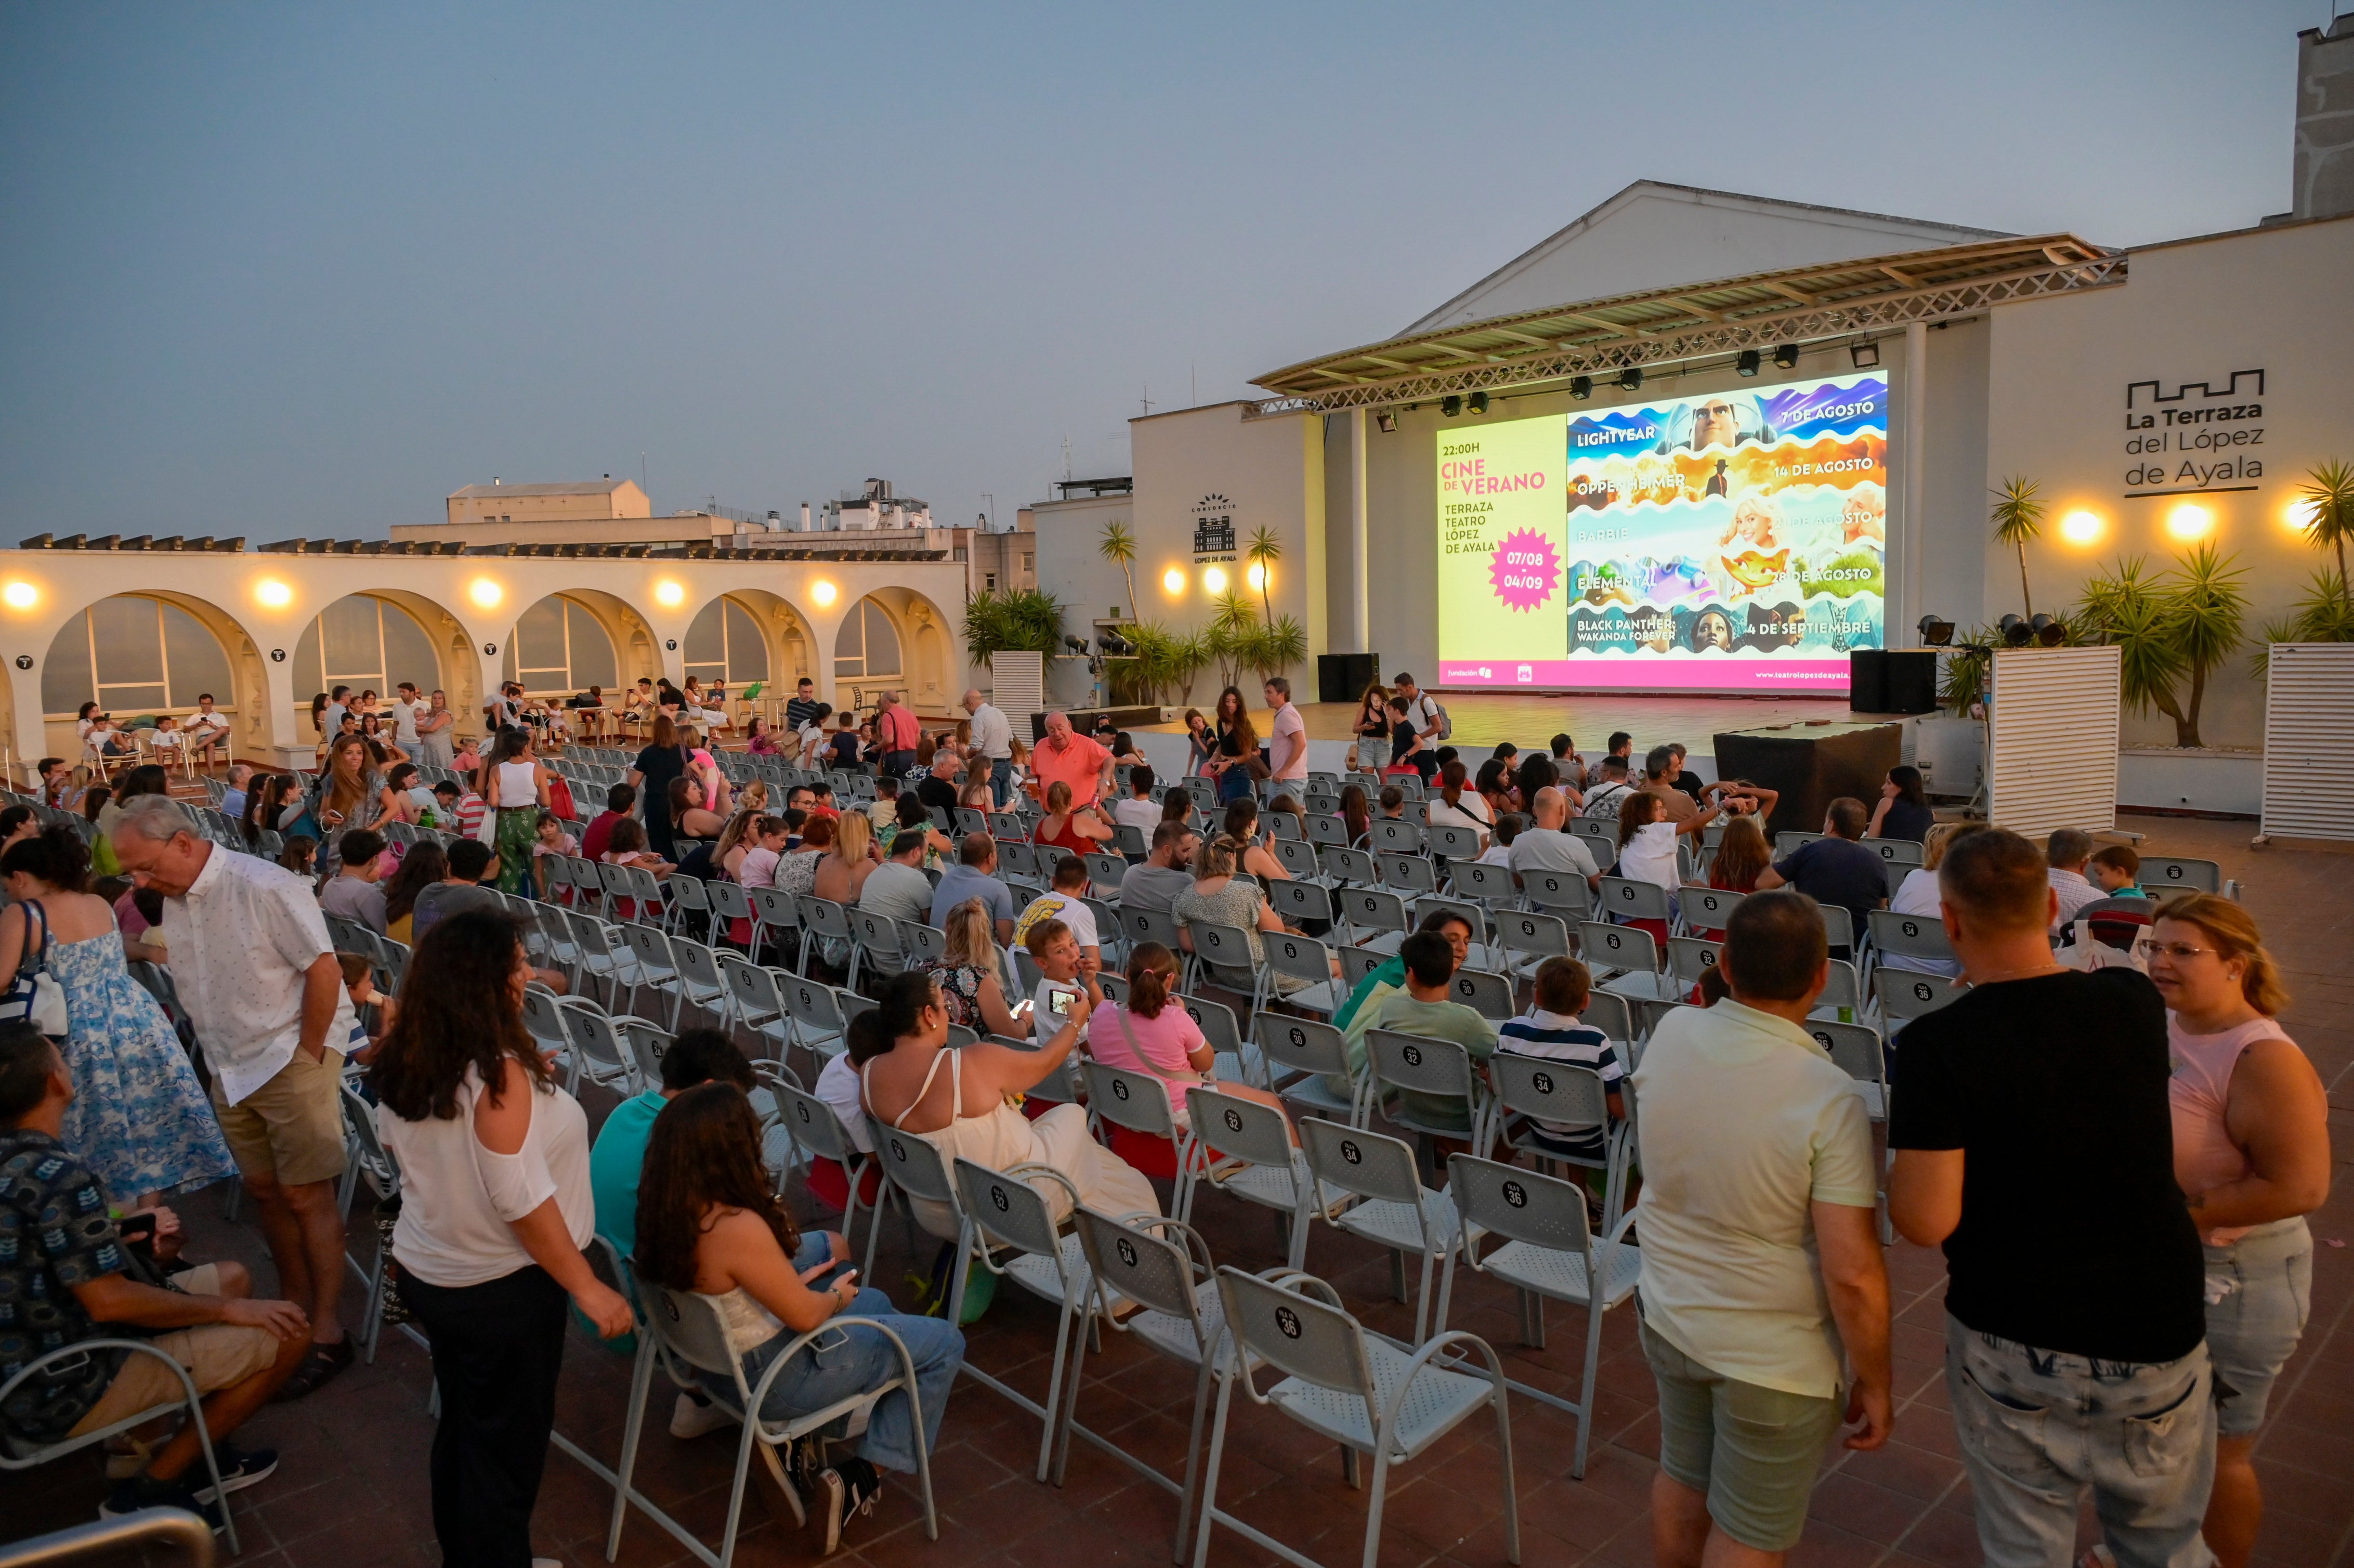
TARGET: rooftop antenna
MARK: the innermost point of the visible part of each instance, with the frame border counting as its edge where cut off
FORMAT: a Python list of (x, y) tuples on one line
[(1066, 457), (1148, 399), (1194, 382), (642, 476)]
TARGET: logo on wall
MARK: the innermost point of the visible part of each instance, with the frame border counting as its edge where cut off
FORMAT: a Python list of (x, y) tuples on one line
[(2195, 437), (1213, 528)]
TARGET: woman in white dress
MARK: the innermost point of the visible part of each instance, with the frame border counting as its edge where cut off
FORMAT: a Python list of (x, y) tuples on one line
[(963, 1102)]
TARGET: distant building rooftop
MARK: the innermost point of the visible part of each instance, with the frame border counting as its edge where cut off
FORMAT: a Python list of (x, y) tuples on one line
[(565, 487)]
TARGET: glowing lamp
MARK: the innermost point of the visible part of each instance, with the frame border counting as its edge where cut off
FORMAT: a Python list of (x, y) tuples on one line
[(485, 593), (823, 592), (2301, 515), (1214, 579), (670, 595), (273, 593), (21, 595), (2190, 521), (1173, 580), (2081, 528), (1258, 575)]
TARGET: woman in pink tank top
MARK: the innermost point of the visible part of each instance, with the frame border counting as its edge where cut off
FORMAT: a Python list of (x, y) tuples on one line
[(2251, 1154)]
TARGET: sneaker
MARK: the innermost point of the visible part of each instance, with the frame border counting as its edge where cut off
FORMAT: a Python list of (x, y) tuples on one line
[(851, 1488), (240, 1467), (126, 1456), (144, 1491), (692, 1418)]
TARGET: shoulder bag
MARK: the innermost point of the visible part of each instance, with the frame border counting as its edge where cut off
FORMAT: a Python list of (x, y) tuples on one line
[(34, 994)]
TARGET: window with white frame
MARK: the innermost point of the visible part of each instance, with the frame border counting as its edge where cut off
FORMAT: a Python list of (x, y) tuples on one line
[(365, 643), (867, 648), (558, 648), (725, 645), (132, 655)]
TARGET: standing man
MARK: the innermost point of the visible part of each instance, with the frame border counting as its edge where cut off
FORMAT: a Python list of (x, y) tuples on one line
[(1289, 744), (208, 728), (803, 710), (897, 733), (2033, 1137), (406, 707), (259, 980), (1760, 1263), (993, 737), (437, 728), (1420, 711), (1064, 757)]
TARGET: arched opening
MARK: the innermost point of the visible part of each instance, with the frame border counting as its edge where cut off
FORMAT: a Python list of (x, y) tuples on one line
[(558, 647), (368, 643), (725, 645), (136, 656), (866, 654)]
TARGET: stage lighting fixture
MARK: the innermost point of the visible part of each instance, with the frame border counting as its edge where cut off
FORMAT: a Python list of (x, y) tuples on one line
[(1786, 355), (1386, 422), (1632, 378), (2016, 632), (1450, 404), (1865, 355), (1937, 631), (2049, 632), (1581, 388), (1478, 402), (1746, 362), (1077, 644)]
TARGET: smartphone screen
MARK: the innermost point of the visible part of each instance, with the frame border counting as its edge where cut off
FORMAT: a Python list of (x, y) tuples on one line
[(1060, 1001)]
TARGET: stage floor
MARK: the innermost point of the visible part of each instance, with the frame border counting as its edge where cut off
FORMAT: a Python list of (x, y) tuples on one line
[(1483, 718)]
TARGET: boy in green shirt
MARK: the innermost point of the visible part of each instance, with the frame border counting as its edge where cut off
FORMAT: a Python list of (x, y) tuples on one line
[(1427, 1007)]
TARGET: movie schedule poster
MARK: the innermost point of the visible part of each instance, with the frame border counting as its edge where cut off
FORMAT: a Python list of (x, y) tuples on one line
[(1731, 542)]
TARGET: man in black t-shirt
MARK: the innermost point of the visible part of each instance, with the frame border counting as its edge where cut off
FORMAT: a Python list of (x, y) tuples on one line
[(802, 710), (2033, 1139)]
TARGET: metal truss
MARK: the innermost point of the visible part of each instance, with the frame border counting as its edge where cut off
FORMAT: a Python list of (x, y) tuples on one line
[(1701, 340)]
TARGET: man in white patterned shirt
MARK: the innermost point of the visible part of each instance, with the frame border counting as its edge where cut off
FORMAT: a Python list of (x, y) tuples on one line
[(2065, 852), (260, 982)]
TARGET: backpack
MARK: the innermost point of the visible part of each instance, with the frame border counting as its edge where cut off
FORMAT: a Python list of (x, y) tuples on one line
[(1446, 725)]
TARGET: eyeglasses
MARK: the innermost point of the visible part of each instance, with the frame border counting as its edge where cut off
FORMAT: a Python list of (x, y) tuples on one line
[(2180, 950)]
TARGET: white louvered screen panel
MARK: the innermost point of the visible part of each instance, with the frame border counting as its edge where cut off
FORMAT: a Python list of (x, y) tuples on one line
[(2053, 740), (2309, 741), (1018, 687)]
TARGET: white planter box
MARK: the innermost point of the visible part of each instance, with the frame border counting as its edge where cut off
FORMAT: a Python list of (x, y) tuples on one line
[(2168, 779)]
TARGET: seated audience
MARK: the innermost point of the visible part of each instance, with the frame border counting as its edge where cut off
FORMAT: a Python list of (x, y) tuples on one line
[(1835, 870), (1242, 825), (1151, 1033), (1138, 809), (98, 1278), (1903, 810), (1065, 901), (975, 875), (1548, 846), (1605, 797), (898, 889), (1221, 895), (1917, 894), (972, 976), (472, 863), (2115, 869), (356, 893), (1154, 884), (1742, 855), (1427, 1006), (1510, 826), (1457, 807), (1552, 1030), (2065, 852)]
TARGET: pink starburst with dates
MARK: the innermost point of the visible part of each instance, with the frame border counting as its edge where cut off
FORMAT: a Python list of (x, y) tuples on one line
[(1524, 568)]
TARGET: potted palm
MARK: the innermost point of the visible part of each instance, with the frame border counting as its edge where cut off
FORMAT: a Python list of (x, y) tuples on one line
[(2172, 631), (2017, 520), (2326, 613)]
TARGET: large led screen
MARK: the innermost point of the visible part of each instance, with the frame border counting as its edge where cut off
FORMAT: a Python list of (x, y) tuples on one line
[(1727, 542)]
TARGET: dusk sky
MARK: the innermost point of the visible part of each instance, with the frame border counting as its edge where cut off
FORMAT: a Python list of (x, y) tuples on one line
[(276, 271)]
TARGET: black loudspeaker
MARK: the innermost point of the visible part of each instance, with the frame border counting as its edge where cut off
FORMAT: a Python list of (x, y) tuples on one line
[(1867, 681), (1343, 677), (1884, 683)]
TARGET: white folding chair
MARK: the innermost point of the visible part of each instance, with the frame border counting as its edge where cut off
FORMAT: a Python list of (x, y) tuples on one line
[(1302, 1055), (1005, 1212), (1243, 1147), (1402, 1063), (1549, 1251), (1349, 1387), (1382, 1200), (758, 1005)]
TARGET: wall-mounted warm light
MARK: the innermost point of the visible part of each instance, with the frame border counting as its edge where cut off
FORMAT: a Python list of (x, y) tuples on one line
[(21, 595), (823, 592), (276, 595), (1214, 579), (2190, 521), (670, 595), (485, 593), (1258, 575), (2081, 528), (2300, 515), (1173, 581)]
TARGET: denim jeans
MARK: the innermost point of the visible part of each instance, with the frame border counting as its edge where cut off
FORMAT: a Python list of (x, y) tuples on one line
[(848, 1357), (2037, 1428), (1000, 780), (2265, 1284)]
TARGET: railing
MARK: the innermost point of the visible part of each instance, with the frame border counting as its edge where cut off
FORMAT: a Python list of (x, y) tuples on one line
[(83, 1542)]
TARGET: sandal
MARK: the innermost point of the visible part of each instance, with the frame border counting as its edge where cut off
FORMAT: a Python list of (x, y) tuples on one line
[(317, 1369)]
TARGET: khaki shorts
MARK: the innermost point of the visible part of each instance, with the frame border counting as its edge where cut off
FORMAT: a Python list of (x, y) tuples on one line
[(291, 1128), (1752, 1451), (217, 1355)]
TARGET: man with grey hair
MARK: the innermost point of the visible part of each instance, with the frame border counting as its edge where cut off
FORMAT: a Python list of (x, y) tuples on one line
[(260, 982), (1064, 757), (993, 737)]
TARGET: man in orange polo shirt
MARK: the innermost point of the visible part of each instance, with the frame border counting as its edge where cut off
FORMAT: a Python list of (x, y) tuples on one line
[(1067, 758)]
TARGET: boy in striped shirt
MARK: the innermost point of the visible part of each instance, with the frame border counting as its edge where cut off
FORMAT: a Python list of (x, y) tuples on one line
[(1551, 1031)]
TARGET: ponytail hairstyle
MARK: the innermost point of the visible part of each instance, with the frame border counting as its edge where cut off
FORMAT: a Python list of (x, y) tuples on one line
[(1152, 977), (2231, 928), (1058, 798), (1218, 857), (57, 856), (897, 1012), (1451, 778), (1356, 813)]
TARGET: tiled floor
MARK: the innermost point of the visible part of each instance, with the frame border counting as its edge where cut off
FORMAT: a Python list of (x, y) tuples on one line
[(352, 1492)]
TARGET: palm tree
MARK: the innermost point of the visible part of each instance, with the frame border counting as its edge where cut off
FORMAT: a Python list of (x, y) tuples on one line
[(2206, 615), (1120, 545), (2328, 496), (2019, 518), (1264, 552)]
